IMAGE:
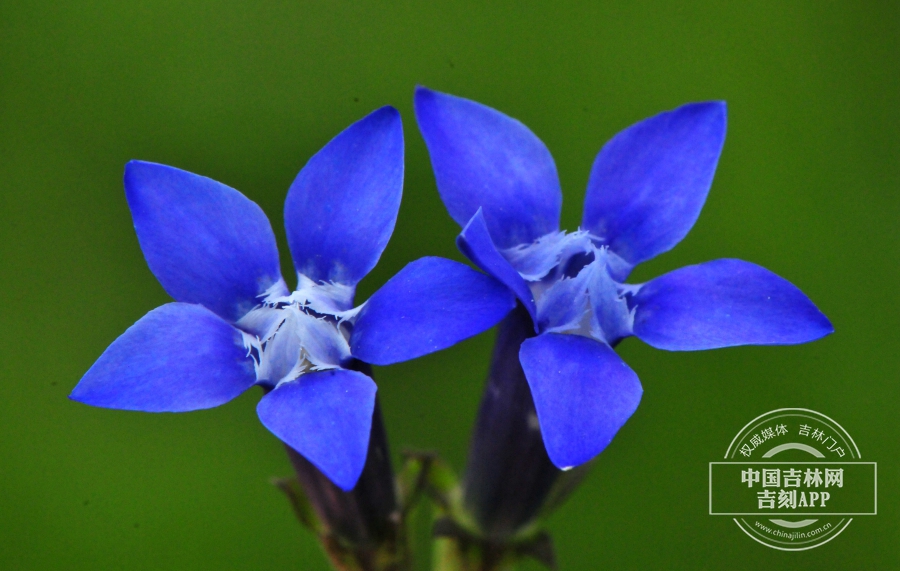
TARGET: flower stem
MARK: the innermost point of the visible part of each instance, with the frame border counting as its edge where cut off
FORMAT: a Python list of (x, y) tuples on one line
[(363, 529), (508, 473)]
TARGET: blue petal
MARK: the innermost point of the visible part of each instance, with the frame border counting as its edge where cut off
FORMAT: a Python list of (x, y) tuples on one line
[(484, 159), (649, 183), (724, 303), (341, 209), (476, 244), (178, 357), (326, 417), (583, 393), (429, 305), (205, 242)]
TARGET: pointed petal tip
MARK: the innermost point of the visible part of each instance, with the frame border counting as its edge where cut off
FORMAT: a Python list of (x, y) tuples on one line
[(421, 92), (714, 109), (135, 168), (714, 113), (378, 127), (346, 483), (717, 108), (387, 114), (388, 110), (75, 395), (137, 163), (426, 96), (424, 102), (81, 392), (825, 329), (713, 106)]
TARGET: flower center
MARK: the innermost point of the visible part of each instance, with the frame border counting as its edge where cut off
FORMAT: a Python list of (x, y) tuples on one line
[(573, 280), (308, 330)]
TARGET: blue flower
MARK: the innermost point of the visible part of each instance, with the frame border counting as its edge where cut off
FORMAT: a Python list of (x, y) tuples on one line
[(646, 189), (235, 324)]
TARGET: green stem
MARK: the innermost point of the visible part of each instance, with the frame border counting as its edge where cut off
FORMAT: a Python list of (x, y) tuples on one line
[(455, 554)]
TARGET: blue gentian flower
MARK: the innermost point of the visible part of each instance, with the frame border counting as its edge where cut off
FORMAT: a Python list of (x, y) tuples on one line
[(646, 189), (235, 324)]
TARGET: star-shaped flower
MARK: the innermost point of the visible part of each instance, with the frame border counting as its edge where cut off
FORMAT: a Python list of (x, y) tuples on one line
[(646, 189), (235, 324)]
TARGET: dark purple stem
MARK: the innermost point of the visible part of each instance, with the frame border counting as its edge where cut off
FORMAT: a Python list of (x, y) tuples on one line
[(509, 475)]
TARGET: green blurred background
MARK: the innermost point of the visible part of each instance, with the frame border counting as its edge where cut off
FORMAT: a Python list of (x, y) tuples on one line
[(245, 92)]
